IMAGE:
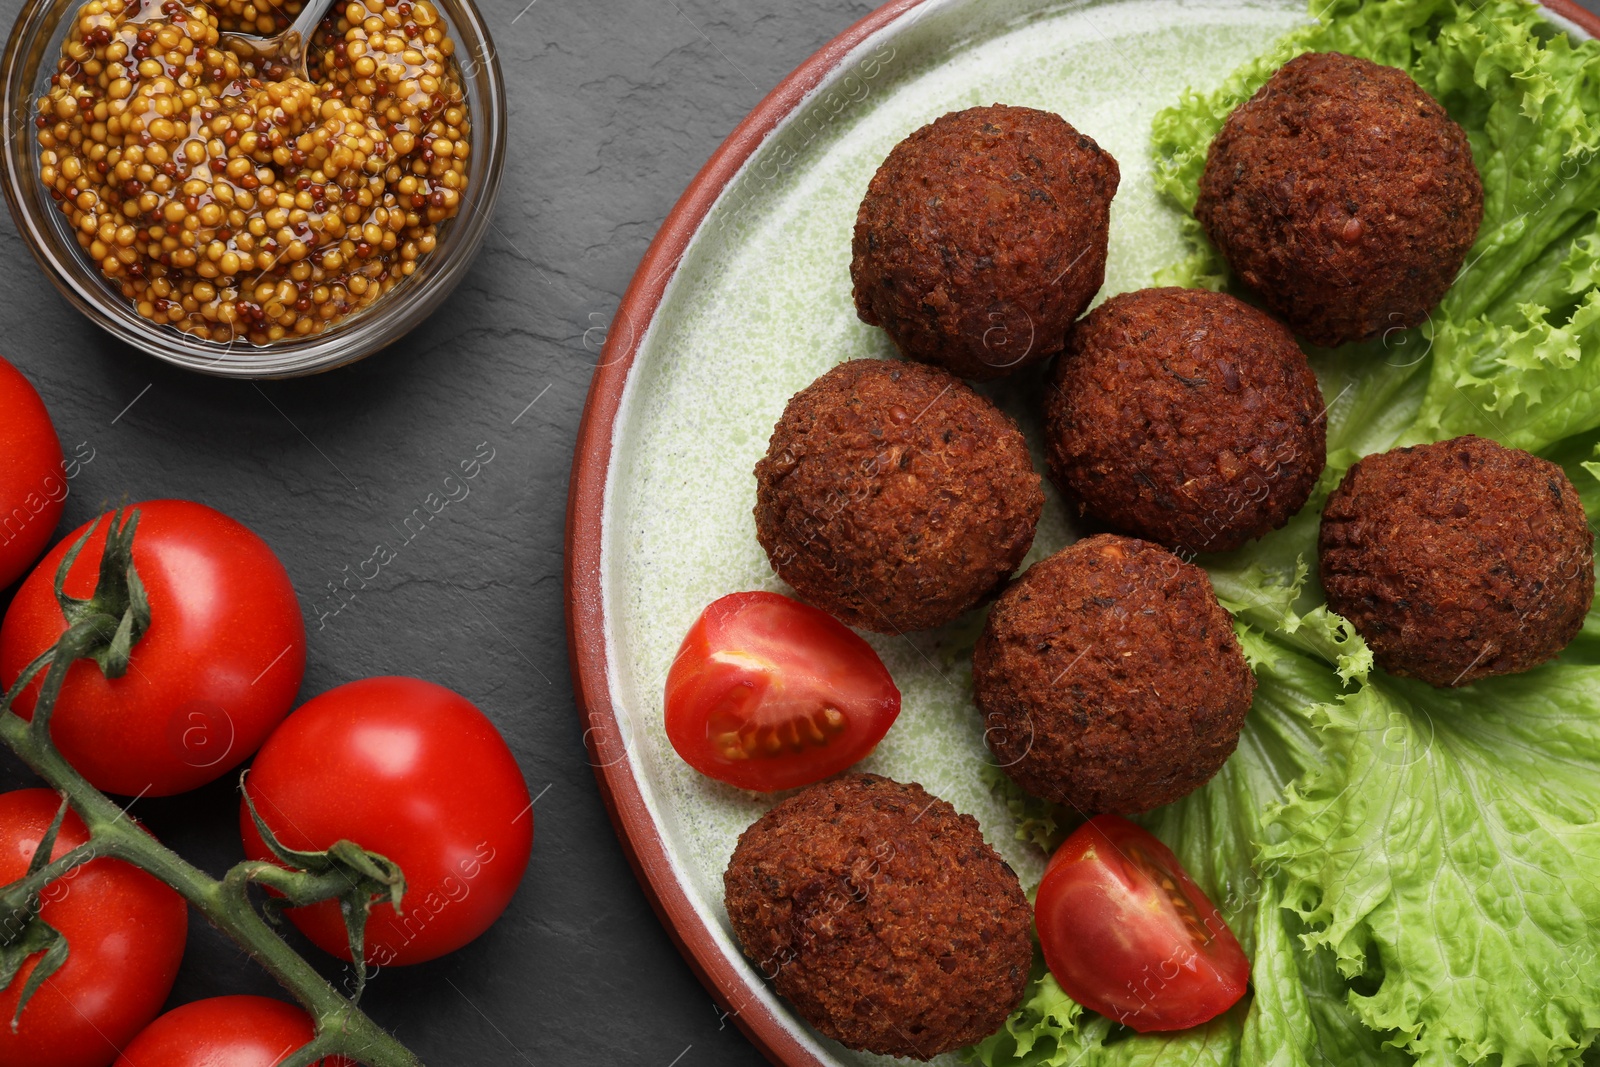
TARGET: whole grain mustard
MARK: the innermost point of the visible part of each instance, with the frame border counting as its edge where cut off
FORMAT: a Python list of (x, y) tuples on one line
[(232, 198)]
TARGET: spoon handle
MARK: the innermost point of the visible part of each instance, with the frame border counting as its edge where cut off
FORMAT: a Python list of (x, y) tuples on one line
[(305, 24)]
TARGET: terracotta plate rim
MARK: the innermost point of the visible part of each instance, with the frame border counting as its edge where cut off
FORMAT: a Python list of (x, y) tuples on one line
[(729, 981)]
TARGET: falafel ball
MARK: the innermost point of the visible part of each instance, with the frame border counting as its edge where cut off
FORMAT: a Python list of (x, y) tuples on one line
[(1458, 560), (1185, 417), (982, 236), (882, 915), (895, 497), (1344, 195), (1110, 679)]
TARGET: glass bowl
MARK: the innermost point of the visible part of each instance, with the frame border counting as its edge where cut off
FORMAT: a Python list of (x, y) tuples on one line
[(30, 58)]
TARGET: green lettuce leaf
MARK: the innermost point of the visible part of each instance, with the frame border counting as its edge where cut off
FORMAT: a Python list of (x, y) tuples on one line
[(1447, 849), (1275, 599), (1528, 383), (1299, 1016)]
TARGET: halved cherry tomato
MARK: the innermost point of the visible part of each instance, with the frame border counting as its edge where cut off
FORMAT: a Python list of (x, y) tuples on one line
[(1128, 934), (768, 693)]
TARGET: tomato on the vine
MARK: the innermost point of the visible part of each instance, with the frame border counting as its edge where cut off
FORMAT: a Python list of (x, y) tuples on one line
[(768, 693), (216, 671), (224, 1032), (125, 933), (1128, 934), (414, 772), (32, 487)]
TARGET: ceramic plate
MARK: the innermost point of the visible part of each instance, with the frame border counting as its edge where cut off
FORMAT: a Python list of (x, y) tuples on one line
[(744, 299)]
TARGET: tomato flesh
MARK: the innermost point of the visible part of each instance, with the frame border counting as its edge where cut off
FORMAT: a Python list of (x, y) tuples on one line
[(125, 934), (236, 1031), (768, 693), (1128, 934)]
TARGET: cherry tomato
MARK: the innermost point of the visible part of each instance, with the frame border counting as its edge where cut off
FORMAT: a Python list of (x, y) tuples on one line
[(1128, 934), (409, 770), (125, 934), (224, 1032), (216, 671), (32, 488), (768, 693)]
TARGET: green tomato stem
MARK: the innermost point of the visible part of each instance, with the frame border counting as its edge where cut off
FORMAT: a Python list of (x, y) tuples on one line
[(60, 867), (342, 1028), (297, 888)]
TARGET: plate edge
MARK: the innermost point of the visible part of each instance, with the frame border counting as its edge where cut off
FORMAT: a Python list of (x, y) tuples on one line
[(586, 501), (728, 982)]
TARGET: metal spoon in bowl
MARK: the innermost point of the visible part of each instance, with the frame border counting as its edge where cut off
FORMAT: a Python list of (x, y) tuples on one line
[(287, 48)]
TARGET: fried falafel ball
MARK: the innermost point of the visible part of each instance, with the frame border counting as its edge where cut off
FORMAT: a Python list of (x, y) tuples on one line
[(982, 236), (1344, 195), (1110, 679), (1185, 417), (1458, 560), (895, 497), (882, 915)]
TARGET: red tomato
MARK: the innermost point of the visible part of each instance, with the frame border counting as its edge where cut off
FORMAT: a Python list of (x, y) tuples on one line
[(768, 693), (125, 934), (224, 1032), (216, 671), (409, 770), (1128, 934), (32, 488)]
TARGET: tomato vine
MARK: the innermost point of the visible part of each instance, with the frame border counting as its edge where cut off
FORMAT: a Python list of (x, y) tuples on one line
[(105, 627)]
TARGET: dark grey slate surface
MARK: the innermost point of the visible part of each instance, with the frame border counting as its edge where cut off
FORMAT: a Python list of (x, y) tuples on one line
[(614, 106)]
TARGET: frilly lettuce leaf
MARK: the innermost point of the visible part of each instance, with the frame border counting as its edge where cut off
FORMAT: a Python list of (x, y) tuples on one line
[(1447, 850), (1267, 598), (1044, 1032), (1415, 873), (1528, 382), (1299, 1017)]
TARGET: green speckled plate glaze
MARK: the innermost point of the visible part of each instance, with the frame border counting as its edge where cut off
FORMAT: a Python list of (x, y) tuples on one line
[(760, 305)]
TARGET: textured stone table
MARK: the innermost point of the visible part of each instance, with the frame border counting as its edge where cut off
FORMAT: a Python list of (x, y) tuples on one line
[(614, 106)]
